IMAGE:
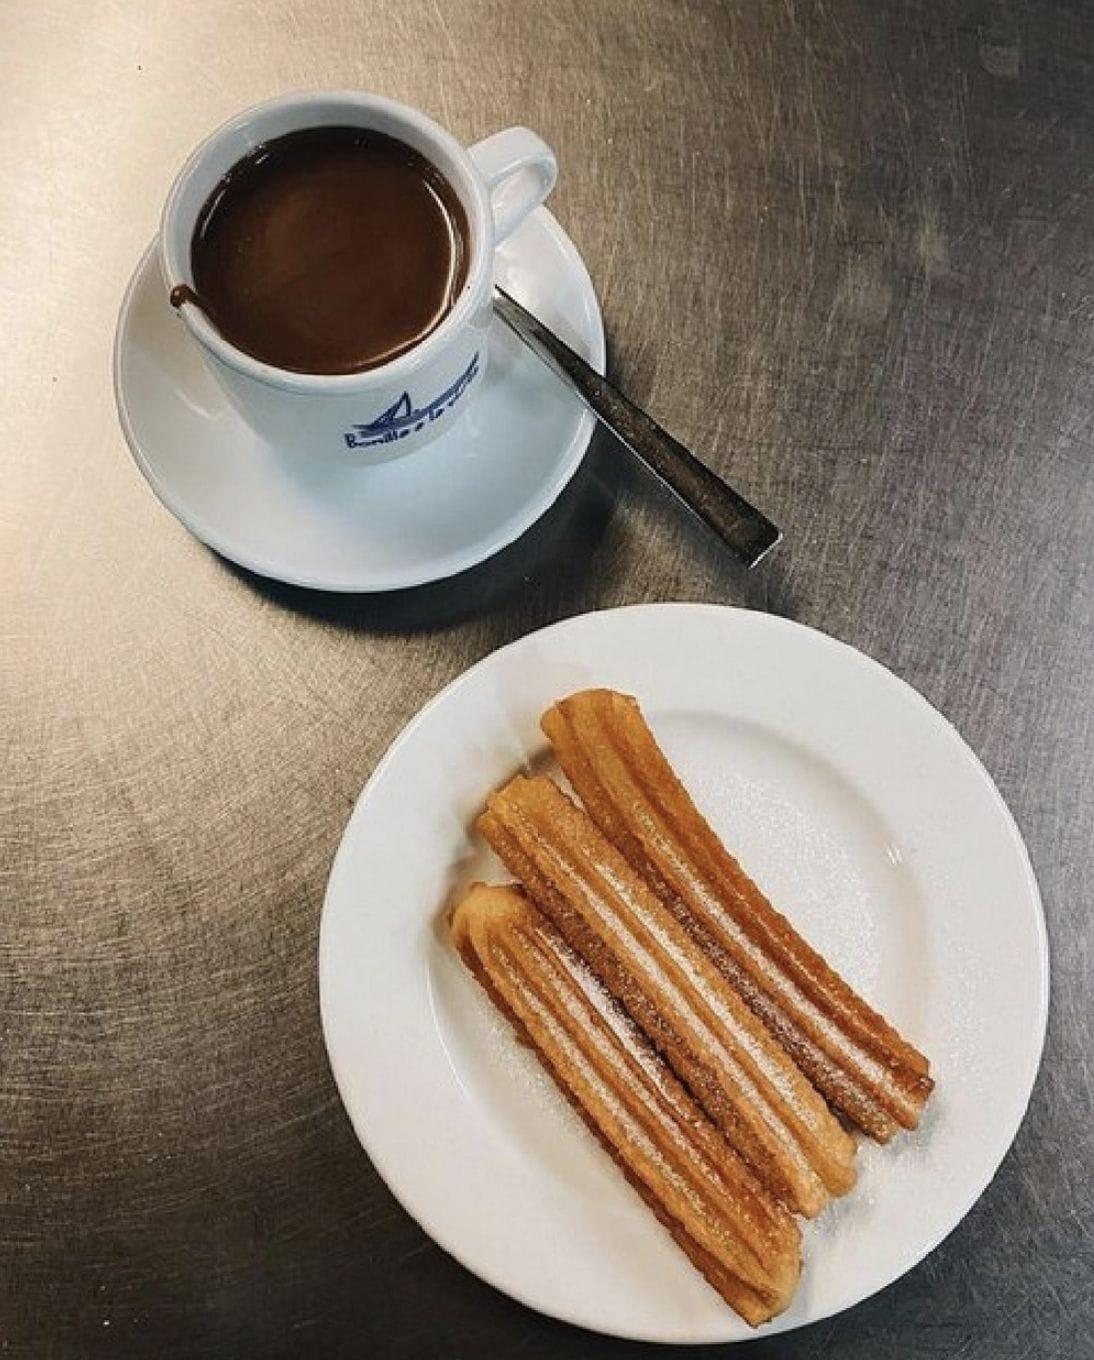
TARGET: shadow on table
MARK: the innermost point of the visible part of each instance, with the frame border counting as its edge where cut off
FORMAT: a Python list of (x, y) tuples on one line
[(558, 545), (553, 562)]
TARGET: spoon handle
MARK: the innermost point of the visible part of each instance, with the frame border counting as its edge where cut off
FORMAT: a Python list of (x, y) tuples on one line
[(746, 532)]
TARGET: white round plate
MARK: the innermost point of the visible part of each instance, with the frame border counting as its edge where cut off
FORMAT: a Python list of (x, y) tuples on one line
[(420, 518), (854, 804)]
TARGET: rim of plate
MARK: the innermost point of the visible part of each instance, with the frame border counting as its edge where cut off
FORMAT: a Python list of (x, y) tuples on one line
[(533, 510), (425, 1220)]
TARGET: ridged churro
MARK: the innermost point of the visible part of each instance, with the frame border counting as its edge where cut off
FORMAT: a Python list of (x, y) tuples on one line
[(744, 1243), (864, 1067), (746, 1082)]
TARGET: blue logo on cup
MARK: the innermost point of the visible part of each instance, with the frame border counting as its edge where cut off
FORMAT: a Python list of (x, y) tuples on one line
[(405, 418)]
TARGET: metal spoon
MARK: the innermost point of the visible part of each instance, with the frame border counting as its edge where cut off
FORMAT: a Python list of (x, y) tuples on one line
[(745, 531)]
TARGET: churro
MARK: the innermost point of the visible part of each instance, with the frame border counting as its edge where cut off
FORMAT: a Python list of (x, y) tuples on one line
[(746, 1082), (744, 1243), (864, 1067)]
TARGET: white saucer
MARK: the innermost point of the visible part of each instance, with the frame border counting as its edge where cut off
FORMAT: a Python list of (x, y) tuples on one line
[(424, 517), (872, 826)]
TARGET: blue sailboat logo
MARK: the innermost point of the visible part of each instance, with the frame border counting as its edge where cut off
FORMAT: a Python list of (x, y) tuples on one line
[(404, 418), (399, 411)]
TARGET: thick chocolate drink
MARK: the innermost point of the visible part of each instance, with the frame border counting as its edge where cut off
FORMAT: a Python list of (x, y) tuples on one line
[(330, 250)]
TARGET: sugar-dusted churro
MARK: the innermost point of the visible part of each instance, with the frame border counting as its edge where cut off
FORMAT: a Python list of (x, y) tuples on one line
[(853, 1056), (744, 1243), (746, 1081)]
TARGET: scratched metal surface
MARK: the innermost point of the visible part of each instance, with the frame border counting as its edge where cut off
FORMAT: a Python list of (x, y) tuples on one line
[(845, 251)]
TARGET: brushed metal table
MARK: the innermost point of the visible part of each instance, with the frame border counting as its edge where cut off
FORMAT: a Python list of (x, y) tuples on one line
[(845, 251)]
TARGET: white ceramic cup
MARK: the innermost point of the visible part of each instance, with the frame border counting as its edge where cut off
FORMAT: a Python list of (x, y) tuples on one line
[(384, 412)]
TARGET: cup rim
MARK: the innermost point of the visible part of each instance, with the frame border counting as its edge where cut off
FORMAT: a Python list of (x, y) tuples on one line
[(176, 270)]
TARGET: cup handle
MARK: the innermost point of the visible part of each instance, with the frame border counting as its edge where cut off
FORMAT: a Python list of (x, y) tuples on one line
[(520, 171)]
